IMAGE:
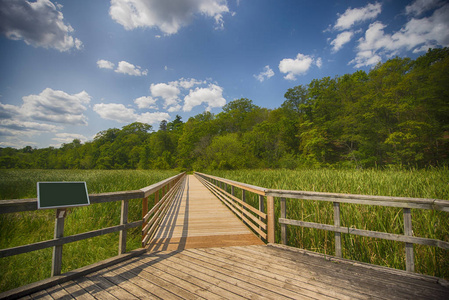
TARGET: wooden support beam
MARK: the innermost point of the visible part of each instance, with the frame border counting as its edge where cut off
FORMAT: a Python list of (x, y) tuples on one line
[(283, 226), (408, 231), (123, 233), (270, 219), (337, 234), (56, 262)]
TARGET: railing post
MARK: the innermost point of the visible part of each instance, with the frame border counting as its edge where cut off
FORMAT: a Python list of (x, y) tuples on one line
[(283, 226), (261, 208), (408, 231), (56, 262), (232, 190), (243, 196), (123, 233), (270, 219), (144, 209), (337, 234), (156, 197)]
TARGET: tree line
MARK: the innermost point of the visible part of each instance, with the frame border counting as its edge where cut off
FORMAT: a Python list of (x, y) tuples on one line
[(396, 114)]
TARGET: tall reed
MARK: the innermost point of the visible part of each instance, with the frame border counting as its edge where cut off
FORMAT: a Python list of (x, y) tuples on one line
[(430, 183)]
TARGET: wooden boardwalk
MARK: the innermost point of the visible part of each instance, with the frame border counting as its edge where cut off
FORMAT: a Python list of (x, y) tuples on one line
[(242, 272), (203, 251), (197, 219)]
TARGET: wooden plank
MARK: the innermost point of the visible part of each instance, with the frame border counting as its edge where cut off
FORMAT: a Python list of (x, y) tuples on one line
[(58, 292), (76, 291), (236, 258), (224, 283), (109, 286), (369, 233), (43, 284), (366, 279), (273, 288), (93, 289), (66, 239)]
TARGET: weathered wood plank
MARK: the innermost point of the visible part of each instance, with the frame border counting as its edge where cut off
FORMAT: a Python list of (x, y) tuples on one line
[(369, 233), (76, 291), (96, 291), (66, 239)]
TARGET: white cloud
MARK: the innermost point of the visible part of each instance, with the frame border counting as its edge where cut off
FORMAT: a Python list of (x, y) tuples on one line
[(319, 62), (105, 64), (13, 127), (168, 16), (341, 39), (294, 67), (265, 74), (419, 7), (37, 23), (125, 67), (355, 15), (66, 138), (187, 83), (49, 106), (146, 102), (417, 35), (56, 106), (121, 114), (212, 96), (169, 92)]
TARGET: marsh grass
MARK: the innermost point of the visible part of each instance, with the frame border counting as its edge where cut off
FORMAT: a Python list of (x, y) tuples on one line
[(431, 183), (30, 227)]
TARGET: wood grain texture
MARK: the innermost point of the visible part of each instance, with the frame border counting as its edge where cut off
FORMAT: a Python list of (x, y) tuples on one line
[(196, 218), (246, 272)]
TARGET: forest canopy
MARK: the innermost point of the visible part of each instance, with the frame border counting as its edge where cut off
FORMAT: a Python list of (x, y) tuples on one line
[(396, 114)]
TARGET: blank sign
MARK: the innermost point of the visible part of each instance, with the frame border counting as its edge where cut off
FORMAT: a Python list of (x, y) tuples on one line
[(61, 194)]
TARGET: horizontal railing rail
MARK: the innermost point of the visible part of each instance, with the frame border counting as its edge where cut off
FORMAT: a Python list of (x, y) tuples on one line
[(21, 205), (273, 195)]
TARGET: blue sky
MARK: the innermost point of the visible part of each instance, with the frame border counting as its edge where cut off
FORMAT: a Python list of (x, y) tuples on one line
[(70, 69)]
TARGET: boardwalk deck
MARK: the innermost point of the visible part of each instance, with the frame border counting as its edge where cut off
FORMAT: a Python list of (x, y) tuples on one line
[(202, 251), (198, 219), (242, 272)]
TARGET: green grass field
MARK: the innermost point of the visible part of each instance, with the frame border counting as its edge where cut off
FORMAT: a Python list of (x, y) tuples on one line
[(29, 227), (432, 183)]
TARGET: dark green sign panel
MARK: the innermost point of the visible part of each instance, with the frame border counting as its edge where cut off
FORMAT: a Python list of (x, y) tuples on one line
[(61, 194)]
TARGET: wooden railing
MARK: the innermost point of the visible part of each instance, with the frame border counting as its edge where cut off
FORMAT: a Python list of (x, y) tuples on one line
[(163, 188), (272, 195)]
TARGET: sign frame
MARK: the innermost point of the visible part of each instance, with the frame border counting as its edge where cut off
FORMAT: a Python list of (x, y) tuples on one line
[(50, 191)]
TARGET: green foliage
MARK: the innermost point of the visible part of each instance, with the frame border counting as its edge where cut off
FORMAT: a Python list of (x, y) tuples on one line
[(396, 114)]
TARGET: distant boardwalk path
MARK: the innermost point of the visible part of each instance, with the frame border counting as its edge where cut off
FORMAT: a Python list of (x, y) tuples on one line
[(197, 219)]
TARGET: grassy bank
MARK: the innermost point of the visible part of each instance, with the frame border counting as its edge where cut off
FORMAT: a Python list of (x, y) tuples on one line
[(29, 227), (432, 183)]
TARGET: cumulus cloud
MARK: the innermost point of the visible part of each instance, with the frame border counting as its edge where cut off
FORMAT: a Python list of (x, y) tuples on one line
[(168, 16), (50, 106), (355, 15), (297, 66), (419, 7), (105, 64), (265, 74), (38, 23), (416, 35), (120, 113), (146, 102), (125, 67), (341, 39), (212, 96), (169, 92)]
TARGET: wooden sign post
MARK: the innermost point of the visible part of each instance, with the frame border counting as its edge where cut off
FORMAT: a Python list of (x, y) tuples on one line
[(60, 195)]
